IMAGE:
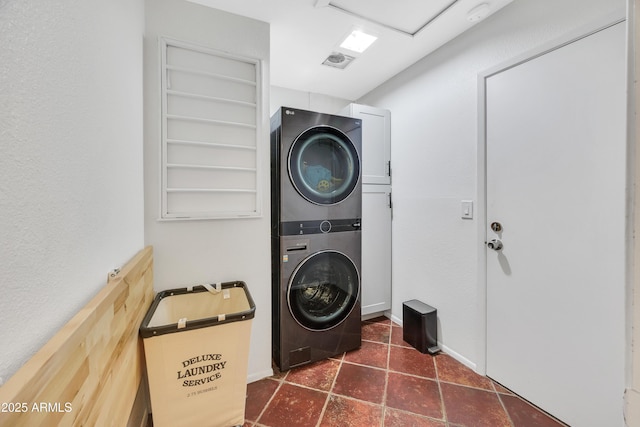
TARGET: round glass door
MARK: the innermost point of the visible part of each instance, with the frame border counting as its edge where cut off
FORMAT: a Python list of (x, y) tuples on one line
[(323, 290), (324, 165)]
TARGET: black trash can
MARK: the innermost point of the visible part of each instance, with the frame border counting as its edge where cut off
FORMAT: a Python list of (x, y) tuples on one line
[(420, 326)]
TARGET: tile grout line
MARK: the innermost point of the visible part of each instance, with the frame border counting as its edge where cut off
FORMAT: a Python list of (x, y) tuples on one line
[(534, 407), (445, 418), (273, 395), (504, 408), (330, 392), (386, 378), (471, 387)]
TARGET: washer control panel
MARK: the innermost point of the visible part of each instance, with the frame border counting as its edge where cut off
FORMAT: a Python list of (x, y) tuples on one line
[(296, 228)]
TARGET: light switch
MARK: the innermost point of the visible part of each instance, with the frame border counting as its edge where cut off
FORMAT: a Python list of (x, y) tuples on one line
[(467, 209)]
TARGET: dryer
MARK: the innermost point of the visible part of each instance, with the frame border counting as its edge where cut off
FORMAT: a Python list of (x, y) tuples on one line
[(316, 208), (315, 167), (316, 296)]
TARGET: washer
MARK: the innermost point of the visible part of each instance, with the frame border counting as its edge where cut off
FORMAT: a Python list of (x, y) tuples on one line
[(316, 302), (315, 166)]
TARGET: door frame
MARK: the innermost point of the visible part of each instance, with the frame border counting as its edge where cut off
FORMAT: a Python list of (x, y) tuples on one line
[(481, 197), (632, 395)]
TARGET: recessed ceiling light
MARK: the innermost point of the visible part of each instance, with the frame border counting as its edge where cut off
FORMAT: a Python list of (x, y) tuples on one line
[(358, 41)]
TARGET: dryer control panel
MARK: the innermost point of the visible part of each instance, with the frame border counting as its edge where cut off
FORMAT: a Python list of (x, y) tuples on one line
[(296, 228)]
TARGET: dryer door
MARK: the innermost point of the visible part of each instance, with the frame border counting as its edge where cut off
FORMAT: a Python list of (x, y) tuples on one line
[(324, 165), (323, 290)]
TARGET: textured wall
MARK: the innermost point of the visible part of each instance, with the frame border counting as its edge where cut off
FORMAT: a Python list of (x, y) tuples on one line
[(193, 252), (71, 187), (434, 141)]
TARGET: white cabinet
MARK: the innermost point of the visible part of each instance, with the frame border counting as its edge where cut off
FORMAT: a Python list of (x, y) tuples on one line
[(376, 206), (376, 248), (376, 142)]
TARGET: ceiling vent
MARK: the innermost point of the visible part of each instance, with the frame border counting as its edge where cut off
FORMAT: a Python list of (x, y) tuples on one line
[(338, 60)]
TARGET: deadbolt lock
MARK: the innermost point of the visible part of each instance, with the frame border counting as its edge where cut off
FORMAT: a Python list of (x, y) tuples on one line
[(496, 227)]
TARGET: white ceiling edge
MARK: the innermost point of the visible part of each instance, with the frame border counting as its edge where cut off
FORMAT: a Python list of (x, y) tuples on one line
[(381, 62), (302, 36)]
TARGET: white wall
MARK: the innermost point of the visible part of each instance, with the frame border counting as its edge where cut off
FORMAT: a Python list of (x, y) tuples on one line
[(632, 398), (434, 144), (282, 97), (194, 252), (71, 179)]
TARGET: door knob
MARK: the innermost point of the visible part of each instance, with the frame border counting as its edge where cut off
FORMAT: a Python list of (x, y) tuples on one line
[(495, 244)]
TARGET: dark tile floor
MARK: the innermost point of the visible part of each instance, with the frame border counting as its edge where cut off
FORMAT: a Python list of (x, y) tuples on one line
[(386, 383)]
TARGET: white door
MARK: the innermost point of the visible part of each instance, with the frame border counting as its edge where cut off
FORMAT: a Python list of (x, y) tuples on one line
[(555, 165), (376, 248)]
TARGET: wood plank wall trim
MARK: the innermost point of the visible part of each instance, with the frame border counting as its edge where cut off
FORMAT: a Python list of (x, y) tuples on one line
[(88, 374)]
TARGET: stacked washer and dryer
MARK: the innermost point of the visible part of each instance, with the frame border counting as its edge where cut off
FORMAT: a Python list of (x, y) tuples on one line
[(316, 209)]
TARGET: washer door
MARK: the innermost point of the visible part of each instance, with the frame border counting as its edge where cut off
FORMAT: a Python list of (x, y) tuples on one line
[(323, 290), (324, 165)]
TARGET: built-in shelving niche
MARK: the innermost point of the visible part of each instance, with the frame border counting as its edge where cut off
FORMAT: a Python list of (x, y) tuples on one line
[(210, 130)]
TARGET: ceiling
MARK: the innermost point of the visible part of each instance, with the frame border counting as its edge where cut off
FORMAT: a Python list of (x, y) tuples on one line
[(305, 32)]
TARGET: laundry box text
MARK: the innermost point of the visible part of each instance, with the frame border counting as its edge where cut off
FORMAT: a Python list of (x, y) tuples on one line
[(201, 369)]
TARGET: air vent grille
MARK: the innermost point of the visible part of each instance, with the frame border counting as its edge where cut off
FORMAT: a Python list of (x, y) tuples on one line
[(338, 60)]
